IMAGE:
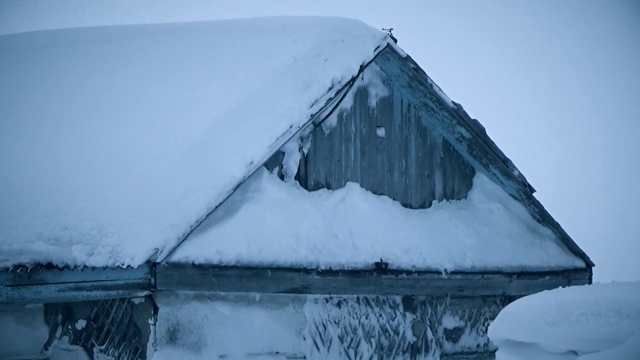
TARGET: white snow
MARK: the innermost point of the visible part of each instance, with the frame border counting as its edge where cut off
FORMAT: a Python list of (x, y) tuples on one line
[(268, 222), (115, 140), (193, 326), (600, 321), (292, 154)]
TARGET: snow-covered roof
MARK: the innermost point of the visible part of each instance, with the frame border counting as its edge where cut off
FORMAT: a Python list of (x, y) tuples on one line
[(117, 142), (114, 141), (268, 222)]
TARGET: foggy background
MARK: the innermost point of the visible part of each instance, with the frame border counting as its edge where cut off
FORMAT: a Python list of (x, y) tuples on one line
[(555, 83)]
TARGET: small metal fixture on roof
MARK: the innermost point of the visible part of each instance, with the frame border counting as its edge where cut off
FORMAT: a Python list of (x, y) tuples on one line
[(390, 34), (381, 265)]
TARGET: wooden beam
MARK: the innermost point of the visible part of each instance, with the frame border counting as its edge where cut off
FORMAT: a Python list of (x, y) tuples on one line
[(189, 277), (47, 285)]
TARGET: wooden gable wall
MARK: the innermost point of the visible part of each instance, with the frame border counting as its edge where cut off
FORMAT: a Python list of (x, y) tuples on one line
[(464, 146), (387, 149)]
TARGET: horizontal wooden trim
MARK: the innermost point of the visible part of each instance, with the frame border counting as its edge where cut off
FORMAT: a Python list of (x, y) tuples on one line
[(189, 277), (41, 285), (60, 285)]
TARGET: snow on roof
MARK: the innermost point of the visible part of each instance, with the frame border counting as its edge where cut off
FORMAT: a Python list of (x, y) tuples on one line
[(268, 222), (115, 140)]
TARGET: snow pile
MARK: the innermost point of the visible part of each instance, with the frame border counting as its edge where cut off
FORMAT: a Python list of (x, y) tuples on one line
[(594, 322), (115, 140), (268, 222), (194, 326)]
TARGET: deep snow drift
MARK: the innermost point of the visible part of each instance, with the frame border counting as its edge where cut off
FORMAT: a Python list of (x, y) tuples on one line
[(268, 222), (596, 322), (115, 140)]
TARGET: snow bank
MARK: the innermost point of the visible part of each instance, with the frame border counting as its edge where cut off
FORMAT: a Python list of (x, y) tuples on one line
[(600, 321), (194, 326), (115, 140), (268, 222)]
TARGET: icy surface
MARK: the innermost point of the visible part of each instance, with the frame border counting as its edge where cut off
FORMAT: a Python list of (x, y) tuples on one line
[(114, 141), (268, 222), (600, 321)]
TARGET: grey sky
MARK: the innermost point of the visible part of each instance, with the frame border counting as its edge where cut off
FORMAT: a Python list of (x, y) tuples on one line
[(556, 84)]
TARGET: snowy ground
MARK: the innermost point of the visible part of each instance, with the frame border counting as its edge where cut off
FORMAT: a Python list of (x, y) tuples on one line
[(596, 322)]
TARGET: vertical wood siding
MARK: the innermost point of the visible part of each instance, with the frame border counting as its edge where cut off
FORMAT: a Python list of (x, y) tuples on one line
[(388, 150)]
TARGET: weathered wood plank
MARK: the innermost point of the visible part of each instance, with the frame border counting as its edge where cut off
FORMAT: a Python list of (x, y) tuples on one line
[(387, 150), (60, 285), (361, 282)]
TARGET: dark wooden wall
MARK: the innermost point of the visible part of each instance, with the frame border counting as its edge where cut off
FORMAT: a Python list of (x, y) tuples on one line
[(412, 163)]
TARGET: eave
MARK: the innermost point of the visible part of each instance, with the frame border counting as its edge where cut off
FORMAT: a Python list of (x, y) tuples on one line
[(44, 284), (229, 279), (22, 285)]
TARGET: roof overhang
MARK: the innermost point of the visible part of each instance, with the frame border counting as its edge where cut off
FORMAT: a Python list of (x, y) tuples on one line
[(228, 279), (50, 284)]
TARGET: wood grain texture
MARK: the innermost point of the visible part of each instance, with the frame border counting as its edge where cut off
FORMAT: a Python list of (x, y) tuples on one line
[(387, 149), (176, 277), (40, 285)]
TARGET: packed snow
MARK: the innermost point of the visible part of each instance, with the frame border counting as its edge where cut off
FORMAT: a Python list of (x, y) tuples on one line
[(596, 322), (268, 222), (200, 326), (114, 141)]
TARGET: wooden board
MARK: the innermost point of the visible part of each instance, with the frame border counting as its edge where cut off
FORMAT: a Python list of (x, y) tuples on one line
[(361, 282), (388, 150), (42, 285)]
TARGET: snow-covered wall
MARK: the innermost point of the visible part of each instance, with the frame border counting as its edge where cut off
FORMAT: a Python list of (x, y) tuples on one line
[(194, 325)]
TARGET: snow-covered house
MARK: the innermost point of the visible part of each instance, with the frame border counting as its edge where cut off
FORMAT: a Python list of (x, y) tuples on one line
[(277, 187)]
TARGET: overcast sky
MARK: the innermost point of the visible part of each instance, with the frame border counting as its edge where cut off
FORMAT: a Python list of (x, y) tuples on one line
[(555, 83)]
